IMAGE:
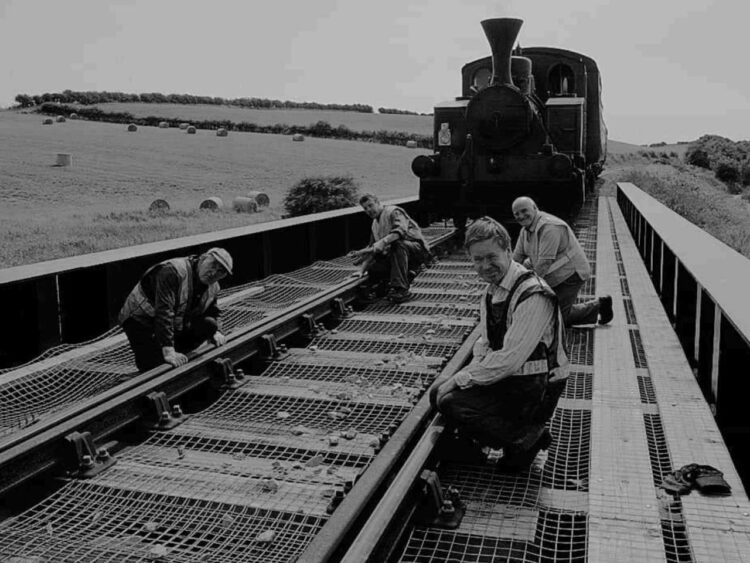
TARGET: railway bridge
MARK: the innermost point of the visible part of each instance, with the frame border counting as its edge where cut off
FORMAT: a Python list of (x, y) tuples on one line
[(309, 437)]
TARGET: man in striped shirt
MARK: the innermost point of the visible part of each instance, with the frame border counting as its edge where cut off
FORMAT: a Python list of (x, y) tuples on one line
[(504, 397)]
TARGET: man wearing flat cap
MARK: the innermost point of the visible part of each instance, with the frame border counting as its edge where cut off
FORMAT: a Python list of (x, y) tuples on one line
[(173, 309)]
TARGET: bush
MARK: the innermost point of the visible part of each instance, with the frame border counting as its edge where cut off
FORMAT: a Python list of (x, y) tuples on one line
[(321, 193), (697, 157), (745, 173), (727, 172)]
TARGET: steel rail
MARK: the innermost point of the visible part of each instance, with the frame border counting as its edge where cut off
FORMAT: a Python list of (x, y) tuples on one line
[(390, 458), (40, 448)]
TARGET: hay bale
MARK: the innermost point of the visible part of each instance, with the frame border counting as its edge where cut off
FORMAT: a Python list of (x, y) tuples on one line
[(411, 144), (184, 126), (47, 121), (243, 204), (73, 116), (159, 206), (261, 198), (163, 125), (60, 119), (298, 137), (191, 130), (212, 204), (64, 159), (222, 132), (132, 127)]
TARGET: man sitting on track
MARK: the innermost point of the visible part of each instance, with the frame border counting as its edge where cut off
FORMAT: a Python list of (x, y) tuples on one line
[(553, 252), (508, 392), (397, 249), (173, 309)]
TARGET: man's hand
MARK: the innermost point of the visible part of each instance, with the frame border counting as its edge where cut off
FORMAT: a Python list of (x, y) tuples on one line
[(359, 255), (380, 246), (171, 356), (442, 390), (219, 339)]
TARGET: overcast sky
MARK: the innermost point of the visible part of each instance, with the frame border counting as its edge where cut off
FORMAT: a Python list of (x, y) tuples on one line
[(671, 70)]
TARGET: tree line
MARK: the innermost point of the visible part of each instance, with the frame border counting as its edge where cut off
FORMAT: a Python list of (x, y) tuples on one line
[(91, 98), (318, 129)]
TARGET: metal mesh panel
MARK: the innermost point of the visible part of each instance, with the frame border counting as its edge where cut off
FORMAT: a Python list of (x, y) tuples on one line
[(277, 296), (470, 287), (567, 465), (562, 536), (646, 390), (630, 312), (437, 330), (320, 277), (177, 439), (676, 543), (362, 377), (624, 287), (618, 256), (455, 311), (636, 344), (386, 347), (233, 317), (658, 452), (430, 545), (621, 269), (240, 410), (86, 522), (446, 297), (580, 345), (579, 386)]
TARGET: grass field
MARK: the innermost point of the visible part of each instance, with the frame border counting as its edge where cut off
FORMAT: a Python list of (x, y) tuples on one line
[(100, 202), (355, 121)]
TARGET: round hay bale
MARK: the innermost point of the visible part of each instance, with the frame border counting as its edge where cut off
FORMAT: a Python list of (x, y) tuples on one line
[(298, 137), (411, 144), (132, 127), (212, 204), (64, 159), (163, 125), (184, 125), (222, 132), (60, 119), (261, 198), (191, 130), (159, 206), (48, 121), (243, 204), (73, 116)]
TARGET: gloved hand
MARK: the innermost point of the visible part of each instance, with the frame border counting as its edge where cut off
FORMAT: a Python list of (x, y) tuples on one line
[(219, 339), (171, 356)]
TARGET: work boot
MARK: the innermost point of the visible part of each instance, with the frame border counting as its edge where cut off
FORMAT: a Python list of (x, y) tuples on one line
[(399, 295), (517, 459), (605, 309)]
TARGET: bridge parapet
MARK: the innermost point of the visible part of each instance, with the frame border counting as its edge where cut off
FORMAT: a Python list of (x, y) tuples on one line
[(704, 287), (74, 299)]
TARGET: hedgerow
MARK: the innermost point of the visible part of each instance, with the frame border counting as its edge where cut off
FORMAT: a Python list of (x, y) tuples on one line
[(321, 193)]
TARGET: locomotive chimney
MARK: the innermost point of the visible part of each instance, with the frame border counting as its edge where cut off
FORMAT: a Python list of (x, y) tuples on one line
[(502, 34)]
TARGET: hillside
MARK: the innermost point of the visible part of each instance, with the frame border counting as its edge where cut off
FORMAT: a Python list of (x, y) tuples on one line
[(101, 201), (354, 120)]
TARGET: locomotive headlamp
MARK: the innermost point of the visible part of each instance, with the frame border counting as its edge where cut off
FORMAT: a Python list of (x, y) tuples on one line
[(560, 166), (423, 166)]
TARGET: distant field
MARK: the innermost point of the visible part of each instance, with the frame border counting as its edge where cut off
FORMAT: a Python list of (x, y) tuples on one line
[(355, 121), (100, 202), (617, 147)]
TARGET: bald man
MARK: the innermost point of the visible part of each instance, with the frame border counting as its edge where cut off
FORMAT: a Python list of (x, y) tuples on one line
[(550, 248)]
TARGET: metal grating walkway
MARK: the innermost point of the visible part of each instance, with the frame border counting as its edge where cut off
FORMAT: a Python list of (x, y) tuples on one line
[(631, 412)]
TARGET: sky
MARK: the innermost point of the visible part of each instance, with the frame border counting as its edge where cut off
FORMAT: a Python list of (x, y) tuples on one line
[(671, 69)]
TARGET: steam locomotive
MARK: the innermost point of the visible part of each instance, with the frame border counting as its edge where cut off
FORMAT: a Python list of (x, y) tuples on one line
[(527, 123)]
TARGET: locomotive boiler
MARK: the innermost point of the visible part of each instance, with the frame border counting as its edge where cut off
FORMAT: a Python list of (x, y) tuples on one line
[(527, 123)]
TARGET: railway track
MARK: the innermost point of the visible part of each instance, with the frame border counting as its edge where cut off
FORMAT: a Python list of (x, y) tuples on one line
[(300, 442)]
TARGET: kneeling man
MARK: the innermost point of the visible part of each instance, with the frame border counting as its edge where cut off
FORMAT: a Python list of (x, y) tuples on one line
[(504, 397)]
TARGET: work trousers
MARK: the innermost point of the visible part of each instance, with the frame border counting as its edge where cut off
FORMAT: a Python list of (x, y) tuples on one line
[(575, 313), (403, 255), (147, 350), (511, 412)]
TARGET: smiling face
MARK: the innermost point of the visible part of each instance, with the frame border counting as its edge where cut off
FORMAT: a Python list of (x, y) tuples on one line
[(524, 211), (210, 271), (372, 208), (491, 260)]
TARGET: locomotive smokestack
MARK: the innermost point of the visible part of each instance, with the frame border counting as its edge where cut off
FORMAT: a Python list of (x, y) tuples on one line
[(502, 34)]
